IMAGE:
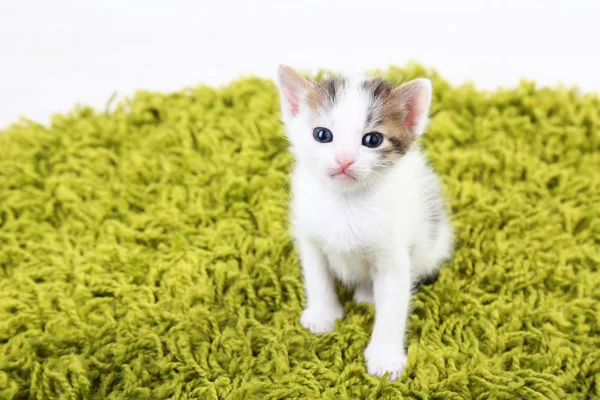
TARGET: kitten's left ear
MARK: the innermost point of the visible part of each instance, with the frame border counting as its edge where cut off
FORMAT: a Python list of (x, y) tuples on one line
[(292, 88), (415, 98)]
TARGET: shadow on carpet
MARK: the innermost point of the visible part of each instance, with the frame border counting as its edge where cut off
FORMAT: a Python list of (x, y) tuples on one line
[(144, 254)]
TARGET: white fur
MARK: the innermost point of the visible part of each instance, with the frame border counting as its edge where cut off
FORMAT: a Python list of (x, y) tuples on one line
[(379, 234)]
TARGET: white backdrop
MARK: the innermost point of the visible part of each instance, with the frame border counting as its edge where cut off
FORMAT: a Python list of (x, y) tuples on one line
[(54, 54)]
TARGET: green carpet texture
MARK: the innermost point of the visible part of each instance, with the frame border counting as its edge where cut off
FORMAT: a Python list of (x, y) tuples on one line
[(145, 254)]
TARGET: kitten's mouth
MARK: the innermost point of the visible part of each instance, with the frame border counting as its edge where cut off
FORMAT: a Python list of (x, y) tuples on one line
[(343, 176)]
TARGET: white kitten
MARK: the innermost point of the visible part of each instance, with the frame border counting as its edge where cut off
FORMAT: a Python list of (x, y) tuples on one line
[(366, 207)]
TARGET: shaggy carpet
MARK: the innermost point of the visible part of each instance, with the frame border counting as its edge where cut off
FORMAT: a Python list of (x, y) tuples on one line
[(144, 254)]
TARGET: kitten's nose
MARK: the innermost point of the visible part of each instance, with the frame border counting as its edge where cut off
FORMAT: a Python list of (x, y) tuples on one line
[(344, 162)]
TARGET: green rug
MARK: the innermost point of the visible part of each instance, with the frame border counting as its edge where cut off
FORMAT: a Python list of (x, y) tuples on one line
[(144, 254)]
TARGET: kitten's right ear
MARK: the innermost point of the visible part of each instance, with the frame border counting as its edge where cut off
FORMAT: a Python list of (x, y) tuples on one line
[(415, 98), (292, 88)]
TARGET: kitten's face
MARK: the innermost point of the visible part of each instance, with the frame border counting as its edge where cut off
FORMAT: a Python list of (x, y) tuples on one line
[(349, 131)]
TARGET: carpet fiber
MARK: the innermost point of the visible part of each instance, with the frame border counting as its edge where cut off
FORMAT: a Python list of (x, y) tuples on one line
[(144, 254)]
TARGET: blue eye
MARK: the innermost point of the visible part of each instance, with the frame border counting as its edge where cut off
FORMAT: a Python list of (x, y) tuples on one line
[(372, 140), (322, 135)]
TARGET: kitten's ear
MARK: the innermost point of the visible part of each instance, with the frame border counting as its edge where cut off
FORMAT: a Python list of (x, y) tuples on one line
[(415, 98), (292, 88)]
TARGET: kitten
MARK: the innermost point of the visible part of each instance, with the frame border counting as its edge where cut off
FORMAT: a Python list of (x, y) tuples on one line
[(366, 208)]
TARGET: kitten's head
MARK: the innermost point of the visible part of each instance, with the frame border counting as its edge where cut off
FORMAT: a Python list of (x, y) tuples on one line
[(349, 131)]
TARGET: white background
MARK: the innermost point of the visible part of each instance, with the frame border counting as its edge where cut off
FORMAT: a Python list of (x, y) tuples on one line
[(56, 53)]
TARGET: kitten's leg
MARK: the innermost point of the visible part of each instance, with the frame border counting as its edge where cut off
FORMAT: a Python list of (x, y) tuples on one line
[(322, 304), (364, 293), (392, 289), (430, 252)]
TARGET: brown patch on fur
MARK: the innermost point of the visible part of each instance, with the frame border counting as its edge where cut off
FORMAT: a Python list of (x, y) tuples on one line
[(386, 115), (323, 95), (380, 91)]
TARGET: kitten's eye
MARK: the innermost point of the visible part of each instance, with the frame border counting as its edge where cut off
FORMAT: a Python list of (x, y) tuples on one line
[(322, 135), (372, 140)]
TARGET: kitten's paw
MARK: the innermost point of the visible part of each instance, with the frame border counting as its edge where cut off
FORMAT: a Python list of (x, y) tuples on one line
[(321, 320), (381, 359), (363, 295)]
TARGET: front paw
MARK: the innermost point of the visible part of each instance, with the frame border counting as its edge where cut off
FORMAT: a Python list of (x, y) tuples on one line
[(381, 359), (321, 320)]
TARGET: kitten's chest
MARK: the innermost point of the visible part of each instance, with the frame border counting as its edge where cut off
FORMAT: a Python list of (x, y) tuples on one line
[(340, 224)]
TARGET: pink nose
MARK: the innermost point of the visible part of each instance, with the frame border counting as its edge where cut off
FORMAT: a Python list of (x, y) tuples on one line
[(344, 163)]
